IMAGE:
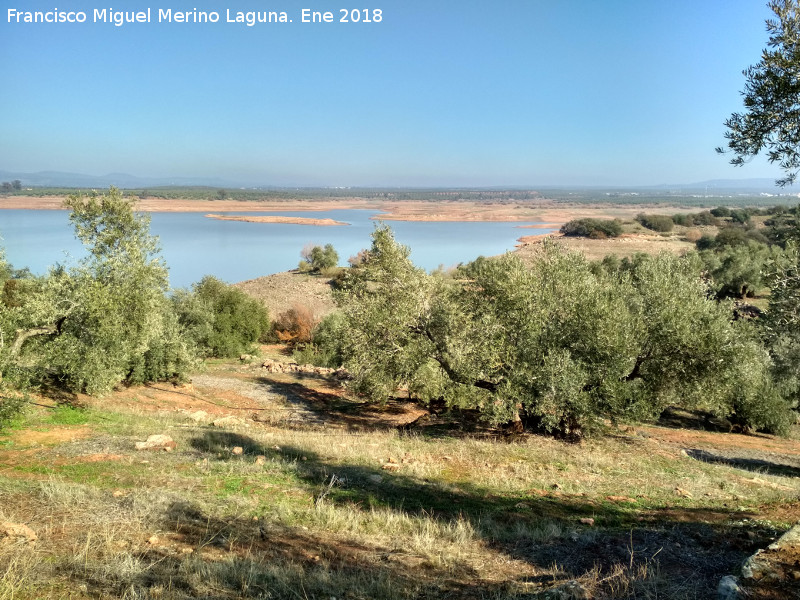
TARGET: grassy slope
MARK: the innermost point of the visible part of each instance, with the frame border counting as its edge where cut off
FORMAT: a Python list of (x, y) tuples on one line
[(346, 506)]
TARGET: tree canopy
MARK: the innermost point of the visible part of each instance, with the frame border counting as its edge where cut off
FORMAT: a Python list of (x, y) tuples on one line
[(103, 321), (556, 344), (771, 119)]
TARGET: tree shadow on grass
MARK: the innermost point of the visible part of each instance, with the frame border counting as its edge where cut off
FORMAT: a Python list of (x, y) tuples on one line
[(199, 555), (749, 464), (405, 416), (541, 528)]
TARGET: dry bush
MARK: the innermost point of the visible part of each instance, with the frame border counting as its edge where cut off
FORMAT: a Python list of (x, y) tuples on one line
[(295, 325), (359, 258), (692, 235)]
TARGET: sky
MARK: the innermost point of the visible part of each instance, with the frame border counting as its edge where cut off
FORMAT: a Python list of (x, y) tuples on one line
[(457, 93)]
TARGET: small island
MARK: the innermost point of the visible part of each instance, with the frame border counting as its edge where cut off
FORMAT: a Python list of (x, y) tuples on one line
[(277, 219)]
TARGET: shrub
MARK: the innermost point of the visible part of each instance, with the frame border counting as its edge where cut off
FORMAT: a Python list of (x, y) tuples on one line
[(731, 236), (12, 404), (222, 320), (317, 259), (721, 211), (326, 348), (295, 325), (593, 228), (737, 271), (704, 218), (693, 235), (660, 223)]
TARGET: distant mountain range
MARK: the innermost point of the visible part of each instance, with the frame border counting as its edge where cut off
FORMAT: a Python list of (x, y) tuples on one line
[(122, 180), (125, 180)]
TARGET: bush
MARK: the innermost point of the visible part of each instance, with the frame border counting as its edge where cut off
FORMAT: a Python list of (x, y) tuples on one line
[(326, 348), (704, 218), (12, 404), (731, 236), (295, 325), (660, 223), (222, 320), (317, 259), (593, 228), (737, 271), (721, 211), (693, 235)]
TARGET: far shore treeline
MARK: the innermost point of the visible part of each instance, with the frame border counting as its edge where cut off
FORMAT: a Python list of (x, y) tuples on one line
[(556, 343), (703, 196)]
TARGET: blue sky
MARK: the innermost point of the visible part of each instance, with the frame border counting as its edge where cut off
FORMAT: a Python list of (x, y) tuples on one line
[(457, 93)]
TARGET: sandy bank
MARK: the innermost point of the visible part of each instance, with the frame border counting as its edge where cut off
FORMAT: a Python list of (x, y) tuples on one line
[(546, 213), (276, 219)]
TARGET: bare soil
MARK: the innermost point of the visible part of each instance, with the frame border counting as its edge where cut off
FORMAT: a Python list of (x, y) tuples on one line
[(540, 211), (282, 291)]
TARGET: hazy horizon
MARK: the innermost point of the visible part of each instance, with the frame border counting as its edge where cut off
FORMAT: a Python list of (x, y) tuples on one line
[(524, 94)]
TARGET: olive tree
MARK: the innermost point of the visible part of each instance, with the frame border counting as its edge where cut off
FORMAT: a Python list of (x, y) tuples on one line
[(772, 98), (107, 319), (555, 344)]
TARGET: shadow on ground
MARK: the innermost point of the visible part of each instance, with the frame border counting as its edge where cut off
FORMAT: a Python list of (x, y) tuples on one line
[(675, 553), (749, 464)]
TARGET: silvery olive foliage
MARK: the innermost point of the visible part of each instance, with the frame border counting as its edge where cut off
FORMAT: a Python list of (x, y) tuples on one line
[(555, 344), (770, 122), (105, 320)]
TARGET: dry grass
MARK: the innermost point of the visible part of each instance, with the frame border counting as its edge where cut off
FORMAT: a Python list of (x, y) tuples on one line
[(353, 508)]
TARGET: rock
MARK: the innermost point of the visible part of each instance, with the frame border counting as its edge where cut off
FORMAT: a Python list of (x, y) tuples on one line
[(237, 450), (754, 567), (157, 442), (587, 521), (118, 493), (621, 499), (227, 421), (200, 416), (375, 478), (261, 459), (728, 588), (16, 532), (153, 540), (572, 590)]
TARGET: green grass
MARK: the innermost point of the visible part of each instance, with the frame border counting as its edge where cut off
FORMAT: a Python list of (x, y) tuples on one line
[(65, 414)]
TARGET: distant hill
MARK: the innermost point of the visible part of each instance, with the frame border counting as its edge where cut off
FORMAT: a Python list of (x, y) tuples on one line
[(741, 186), (122, 180), (125, 180)]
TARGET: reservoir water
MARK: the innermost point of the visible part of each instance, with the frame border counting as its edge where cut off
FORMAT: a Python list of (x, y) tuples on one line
[(194, 245)]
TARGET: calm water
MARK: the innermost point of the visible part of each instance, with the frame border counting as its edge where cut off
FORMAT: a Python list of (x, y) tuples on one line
[(194, 245)]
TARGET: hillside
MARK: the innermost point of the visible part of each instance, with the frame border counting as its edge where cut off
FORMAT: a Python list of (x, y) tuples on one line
[(277, 485)]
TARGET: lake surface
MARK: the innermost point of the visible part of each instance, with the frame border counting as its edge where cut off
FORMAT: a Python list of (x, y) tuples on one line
[(194, 245)]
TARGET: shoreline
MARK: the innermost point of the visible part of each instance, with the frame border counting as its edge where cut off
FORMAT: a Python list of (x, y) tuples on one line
[(278, 219), (542, 213)]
